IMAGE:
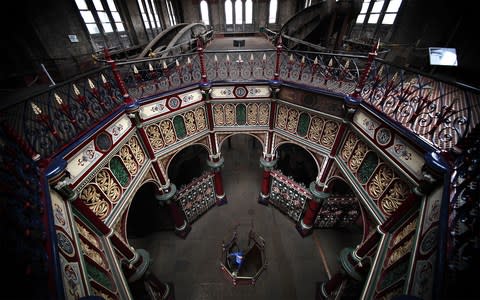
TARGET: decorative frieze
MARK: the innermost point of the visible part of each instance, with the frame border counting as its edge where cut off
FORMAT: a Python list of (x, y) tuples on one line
[(312, 127)]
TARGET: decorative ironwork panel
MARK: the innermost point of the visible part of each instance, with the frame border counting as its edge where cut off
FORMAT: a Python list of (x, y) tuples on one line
[(331, 72), (439, 112), (92, 196), (197, 197), (246, 65), (338, 212), (377, 178), (287, 195), (309, 126), (154, 76), (52, 119), (241, 114)]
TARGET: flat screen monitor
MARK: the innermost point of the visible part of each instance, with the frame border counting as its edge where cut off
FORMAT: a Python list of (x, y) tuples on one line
[(443, 56)]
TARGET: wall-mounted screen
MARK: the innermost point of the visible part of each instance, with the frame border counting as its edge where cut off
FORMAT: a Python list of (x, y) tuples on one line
[(443, 56)]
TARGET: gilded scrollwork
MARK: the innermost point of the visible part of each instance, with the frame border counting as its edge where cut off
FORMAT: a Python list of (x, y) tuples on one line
[(93, 255), (108, 185), (348, 147), (329, 133), (155, 137), (263, 114), (87, 235), (400, 252), (92, 197), (137, 150), (218, 115), (229, 114), (102, 294), (252, 113), (358, 155), (282, 117), (128, 161), (405, 231), (292, 120), (190, 123), (200, 118), (394, 197), (381, 179), (166, 127), (316, 129)]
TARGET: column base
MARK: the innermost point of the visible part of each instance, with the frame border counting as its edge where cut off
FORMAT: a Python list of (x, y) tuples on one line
[(303, 229), (170, 295), (264, 200), (184, 230), (320, 292), (221, 200)]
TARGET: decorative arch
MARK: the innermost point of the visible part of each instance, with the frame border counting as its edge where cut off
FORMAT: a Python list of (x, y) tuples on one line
[(226, 137), (184, 172), (318, 163)]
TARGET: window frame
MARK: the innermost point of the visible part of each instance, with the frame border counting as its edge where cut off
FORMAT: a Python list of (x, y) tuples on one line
[(105, 36)]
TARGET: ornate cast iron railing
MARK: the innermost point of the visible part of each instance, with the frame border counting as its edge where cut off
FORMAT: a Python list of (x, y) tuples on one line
[(53, 119), (437, 112)]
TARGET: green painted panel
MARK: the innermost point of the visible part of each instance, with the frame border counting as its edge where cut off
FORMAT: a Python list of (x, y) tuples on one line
[(179, 125), (241, 113), (368, 166), (99, 276), (303, 123), (119, 171)]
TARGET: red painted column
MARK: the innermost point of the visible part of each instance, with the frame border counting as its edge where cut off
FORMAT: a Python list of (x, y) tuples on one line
[(268, 161), (279, 47), (165, 196), (118, 79), (363, 77), (216, 163), (319, 194)]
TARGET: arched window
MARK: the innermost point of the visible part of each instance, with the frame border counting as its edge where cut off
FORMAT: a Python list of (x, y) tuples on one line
[(204, 12), (248, 12), (272, 14), (238, 12), (228, 12)]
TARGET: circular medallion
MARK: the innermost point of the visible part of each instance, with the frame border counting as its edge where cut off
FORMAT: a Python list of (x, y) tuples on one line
[(429, 241), (64, 243), (103, 141), (384, 136), (240, 92), (173, 103)]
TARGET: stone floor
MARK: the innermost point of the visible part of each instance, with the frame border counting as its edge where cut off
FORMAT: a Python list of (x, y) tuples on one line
[(295, 264)]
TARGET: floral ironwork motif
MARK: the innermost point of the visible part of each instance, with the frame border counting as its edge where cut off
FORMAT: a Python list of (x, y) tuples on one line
[(155, 137), (380, 181), (93, 198), (393, 198), (127, 157)]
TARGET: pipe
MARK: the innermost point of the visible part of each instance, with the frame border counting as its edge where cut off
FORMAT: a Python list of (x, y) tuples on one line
[(48, 75)]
